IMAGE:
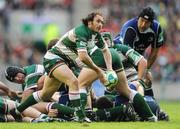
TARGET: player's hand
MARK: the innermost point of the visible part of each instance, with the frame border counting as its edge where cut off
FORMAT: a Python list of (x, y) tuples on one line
[(148, 78), (13, 94)]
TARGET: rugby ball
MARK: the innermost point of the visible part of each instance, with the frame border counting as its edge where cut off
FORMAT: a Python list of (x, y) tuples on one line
[(112, 79)]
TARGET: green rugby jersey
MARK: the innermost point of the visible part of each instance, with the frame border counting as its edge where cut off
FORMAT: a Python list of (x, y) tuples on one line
[(33, 73), (80, 38), (130, 59)]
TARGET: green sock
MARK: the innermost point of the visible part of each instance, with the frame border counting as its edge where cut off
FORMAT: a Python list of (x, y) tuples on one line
[(141, 107), (27, 103), (63, 109), (79, 112), (83, 99), (110, 114)]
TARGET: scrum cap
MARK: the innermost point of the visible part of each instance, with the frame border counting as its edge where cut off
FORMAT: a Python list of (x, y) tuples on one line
[(148, 14), (12, 71)]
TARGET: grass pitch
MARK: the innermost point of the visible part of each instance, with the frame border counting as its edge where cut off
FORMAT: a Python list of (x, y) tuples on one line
[(173, 109)]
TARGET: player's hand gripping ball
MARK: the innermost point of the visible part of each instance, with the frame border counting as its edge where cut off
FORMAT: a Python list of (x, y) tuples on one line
[(112, 79)]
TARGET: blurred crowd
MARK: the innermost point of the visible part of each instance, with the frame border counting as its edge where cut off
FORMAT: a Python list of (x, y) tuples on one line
[(27, 51), (167, 66)]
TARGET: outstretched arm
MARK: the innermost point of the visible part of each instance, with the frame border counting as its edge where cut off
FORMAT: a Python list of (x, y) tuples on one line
[(107, 58), (152, 57), (4, 88), (7, 91), (84, 57)]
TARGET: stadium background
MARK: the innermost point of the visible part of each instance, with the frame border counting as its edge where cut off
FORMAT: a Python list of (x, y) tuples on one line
[(26, 26)]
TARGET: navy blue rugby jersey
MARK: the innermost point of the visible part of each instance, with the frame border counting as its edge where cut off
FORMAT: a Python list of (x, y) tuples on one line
[(129, 35)]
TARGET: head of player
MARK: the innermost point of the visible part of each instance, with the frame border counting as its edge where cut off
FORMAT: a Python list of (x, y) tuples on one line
[(94, 21), (15, 74), (145, 18), (106, 34)]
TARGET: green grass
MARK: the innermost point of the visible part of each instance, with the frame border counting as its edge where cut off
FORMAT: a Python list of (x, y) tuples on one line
[(173, 109)]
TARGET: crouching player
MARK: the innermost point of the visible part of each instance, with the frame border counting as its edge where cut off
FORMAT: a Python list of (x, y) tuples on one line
[(98, 52), (135, 66)]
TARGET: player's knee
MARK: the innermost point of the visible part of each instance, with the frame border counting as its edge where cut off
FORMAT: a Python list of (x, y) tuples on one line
[(73, 83)]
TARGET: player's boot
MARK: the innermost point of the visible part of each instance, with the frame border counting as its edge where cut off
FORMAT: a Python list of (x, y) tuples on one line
[(163, 116), (85, 119), (82, 120), (152, 119), (130, 112), (91, 115), (42, 118), (80, 116)]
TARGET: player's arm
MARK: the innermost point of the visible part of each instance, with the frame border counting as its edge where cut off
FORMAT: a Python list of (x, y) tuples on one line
[(81, 44), (134, 57), (106, 52), (107, 58), (152, 57), (154, 53), (155, 48), (4, 88), (6, 91), (142, 65), (85, 58)]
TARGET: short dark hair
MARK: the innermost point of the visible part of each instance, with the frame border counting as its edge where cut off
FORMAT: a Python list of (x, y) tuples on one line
[(90, 17), (148, 13), (51, 43), (12, 71)]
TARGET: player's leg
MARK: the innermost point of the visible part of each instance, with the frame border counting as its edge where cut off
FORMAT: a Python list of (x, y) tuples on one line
[(123, 88), (50, 86), (66, 76), (85, 78), (4, 111), (30, 112), (107, 111)]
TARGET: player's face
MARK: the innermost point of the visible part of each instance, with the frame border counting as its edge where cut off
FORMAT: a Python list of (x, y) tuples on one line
[(19, 78), (143, 24), (97, 23)]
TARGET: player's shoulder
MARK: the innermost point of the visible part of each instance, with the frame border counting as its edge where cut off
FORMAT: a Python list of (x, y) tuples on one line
[(156, 25), (131, 24), (156, 22), (81, 30)]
